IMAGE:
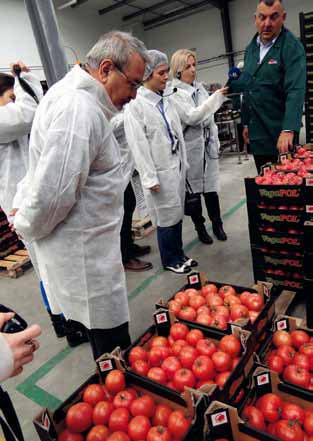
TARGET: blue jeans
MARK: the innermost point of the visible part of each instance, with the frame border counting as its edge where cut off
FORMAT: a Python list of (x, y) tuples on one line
[(171, 244)]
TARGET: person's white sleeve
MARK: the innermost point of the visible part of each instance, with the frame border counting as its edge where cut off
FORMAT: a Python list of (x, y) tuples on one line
[(16, 118), (140, 147), (21, 192), (61, 171), (6, 359), (196, 115)]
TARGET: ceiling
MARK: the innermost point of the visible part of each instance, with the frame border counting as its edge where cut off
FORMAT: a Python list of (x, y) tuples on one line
[(150, 12)]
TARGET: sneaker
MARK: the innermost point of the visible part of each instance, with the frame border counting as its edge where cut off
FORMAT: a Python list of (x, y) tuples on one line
[(179, 268), (190, 262)]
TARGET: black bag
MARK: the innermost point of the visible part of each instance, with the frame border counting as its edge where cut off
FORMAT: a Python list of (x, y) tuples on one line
[(192, 201)]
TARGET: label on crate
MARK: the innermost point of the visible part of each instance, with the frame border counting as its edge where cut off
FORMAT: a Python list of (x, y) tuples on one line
[(283, 158), (105, 365), (294, 263), (267, 288), (282, 325), (193, 279), (281, 193), (46, 421), (281, 240), (161, 318), (288, 218), (262, 379), (265, 169), (219, 418), (309, 182), (309, 208)]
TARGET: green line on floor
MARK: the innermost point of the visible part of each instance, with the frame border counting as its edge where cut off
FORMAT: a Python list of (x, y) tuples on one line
[(44, 398)]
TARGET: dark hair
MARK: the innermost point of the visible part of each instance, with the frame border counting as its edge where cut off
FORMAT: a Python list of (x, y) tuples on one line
[(270, 2), (6, 83)]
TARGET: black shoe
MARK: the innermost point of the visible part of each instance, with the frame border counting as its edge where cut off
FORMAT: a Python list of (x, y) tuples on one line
[(137, 265), (76, 333), (203, 235), (219, 231), (179, 268), (139, 251), (59, 324), (190, 262)]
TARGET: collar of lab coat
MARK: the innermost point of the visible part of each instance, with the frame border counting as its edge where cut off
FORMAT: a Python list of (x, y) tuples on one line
[(149, 95), (190, 89), (82, 80)]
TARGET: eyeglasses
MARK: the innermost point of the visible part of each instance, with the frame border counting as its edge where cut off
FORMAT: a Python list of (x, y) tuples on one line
[(134, 84)]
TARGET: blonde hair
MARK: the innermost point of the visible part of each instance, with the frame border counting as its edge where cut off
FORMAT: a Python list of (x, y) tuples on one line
[(179, 61)]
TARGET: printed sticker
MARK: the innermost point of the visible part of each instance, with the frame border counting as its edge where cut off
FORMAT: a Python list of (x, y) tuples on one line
[(161, 318), (282, 324), (219, 418), (262, 379), (194, 279), (105, 365)]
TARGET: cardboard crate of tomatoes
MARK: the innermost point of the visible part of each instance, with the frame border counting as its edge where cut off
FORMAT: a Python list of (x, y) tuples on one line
[(115, 405), (218, 305), (175, 356), (267, 413)]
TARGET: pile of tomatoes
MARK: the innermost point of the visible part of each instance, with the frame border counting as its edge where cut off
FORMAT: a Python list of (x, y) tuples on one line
[(186, 358), (114, 412), (284, 420), (216, 307), (292, 357)]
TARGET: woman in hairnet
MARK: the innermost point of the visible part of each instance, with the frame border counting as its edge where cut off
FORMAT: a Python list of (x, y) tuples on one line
[(154, 134), (196, 110)]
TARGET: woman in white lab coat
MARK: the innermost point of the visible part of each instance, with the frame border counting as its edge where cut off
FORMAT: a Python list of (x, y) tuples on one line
[(154, 133), (201, 138)]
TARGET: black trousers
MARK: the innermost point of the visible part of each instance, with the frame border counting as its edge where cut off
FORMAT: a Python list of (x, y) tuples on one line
[(105, 340), (213, 207), (127, 241), (261, 160)]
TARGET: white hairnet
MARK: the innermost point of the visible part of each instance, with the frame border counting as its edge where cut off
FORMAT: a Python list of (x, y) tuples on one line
[(157, 58)]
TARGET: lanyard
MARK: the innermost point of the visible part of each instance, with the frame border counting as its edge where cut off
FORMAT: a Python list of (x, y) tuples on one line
[(169, 131)]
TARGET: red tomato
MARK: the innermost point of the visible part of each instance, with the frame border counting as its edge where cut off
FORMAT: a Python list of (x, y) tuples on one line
[(222, 311), (174, 306), (214, 300), (170, 365), (137, 353), (79, 417), (182, 298), (182, 378), (235, 362), (271, 406), (230, 345), (203, 368), (231, 300), (292, 412), (204, 319), (179, 331), (281, 338), (138, 427), (101, 412), (287, 353), (143, 406), (206, 346), (93, 394), (297, 376), (287, 431), (118, 420), (209, 289), (159, 433), (177, 347), (219, 322), (141, 367), (299, 338), (253, 315), (307, 349), (132, 391), (244, 296), (118, 436), (178, 425), (308, 423), (271, 428), (157, 355), (187, 313), (123, 399), (275, 363), (194, 336), (226, 290), (66, 435), (222, 361), (238, 312), (115, 381), (191, 292), (98, 433), (157, 374), (255, 302), (203, 310), (158, 341), (161, 415), (187, 356), (221, 379), (253, 417), (196, 301), (302, 361)]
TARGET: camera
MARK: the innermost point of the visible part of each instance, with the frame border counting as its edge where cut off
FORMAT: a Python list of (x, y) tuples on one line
[(15, 324)]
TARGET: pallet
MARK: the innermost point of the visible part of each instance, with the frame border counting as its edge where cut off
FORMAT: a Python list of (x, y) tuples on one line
[(13, 265), (142, 228)]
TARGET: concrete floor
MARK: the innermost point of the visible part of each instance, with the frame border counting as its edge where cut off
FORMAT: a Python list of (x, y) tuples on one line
[(58, 370)]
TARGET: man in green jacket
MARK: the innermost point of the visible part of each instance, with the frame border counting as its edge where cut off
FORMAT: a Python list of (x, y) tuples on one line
[(274, 82)]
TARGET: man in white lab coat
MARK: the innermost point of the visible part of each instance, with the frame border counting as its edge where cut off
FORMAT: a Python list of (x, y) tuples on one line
[(74, 205)]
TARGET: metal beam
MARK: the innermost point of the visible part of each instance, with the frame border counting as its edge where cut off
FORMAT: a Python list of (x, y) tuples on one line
[(227, 33), (117, 5), (177, 12), (149, 9), (45, 28)]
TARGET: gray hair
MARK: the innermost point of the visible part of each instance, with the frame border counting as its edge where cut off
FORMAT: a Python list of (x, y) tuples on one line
[(117, 46), (270, 2)]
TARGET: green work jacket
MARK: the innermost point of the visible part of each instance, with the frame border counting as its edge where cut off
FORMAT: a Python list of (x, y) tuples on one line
[(274, 91)]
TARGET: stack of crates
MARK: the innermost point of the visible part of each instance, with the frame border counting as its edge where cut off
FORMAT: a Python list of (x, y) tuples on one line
[(9, 241)]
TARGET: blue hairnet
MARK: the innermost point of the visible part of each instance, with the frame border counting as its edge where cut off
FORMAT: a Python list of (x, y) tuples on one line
[(157, 58)]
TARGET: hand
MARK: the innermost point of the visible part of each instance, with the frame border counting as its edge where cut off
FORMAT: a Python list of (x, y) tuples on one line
[(245, 134), (285, 142), (155, 189), (23, 346), (11, 219), (223, 91), (21, 65)]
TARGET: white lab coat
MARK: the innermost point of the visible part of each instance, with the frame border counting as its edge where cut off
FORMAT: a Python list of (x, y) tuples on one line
[(150, 143), (198, 117), (73, 209), (15, 124)]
